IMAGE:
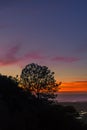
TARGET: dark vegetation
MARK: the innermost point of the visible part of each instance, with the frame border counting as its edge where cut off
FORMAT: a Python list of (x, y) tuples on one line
[(20, 109), (39, 80)]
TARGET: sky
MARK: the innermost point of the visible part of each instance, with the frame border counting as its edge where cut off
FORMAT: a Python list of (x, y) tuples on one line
[(47, 32)]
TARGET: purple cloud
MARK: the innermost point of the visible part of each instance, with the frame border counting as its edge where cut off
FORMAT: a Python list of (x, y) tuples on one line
[(34, 55), (65, 59), (11, 56), (13, 50)]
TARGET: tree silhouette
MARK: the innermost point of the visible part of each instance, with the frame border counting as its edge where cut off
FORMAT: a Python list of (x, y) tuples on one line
[(39, 80)]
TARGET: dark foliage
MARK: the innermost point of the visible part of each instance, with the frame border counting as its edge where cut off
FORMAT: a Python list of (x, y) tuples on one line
[(19, 110), (39, 79)]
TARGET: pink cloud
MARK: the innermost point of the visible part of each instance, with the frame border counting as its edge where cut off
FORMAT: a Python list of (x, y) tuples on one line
[(11, 56), (65, 59), (33, 55), (13, 50)]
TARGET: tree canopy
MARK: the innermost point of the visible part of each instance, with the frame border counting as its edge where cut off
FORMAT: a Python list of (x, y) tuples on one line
[(38, 79)]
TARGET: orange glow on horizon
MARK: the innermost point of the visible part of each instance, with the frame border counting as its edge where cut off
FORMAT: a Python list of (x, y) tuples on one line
[(79, 86), (75, 86)]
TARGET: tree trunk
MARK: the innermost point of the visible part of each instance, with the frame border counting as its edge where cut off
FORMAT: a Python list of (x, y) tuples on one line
[(38, 95)]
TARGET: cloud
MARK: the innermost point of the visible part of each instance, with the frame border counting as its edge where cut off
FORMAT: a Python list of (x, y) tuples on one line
[(80, 81), (76, 86), (11, 56), (65, 59), (34, 55), (13, 50)]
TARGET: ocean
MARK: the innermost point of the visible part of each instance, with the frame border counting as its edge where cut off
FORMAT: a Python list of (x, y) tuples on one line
[(72, 97)]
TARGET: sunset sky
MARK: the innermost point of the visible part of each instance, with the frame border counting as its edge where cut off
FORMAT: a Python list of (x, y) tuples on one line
[(46, 32)]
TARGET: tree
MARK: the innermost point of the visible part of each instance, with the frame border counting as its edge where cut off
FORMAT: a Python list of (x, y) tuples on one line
[(39, 79)]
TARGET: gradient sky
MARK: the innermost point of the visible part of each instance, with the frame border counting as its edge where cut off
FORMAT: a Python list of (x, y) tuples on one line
[(47, 32)]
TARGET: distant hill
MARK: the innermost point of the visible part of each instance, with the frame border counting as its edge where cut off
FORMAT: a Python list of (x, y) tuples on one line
[(79, 106)]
